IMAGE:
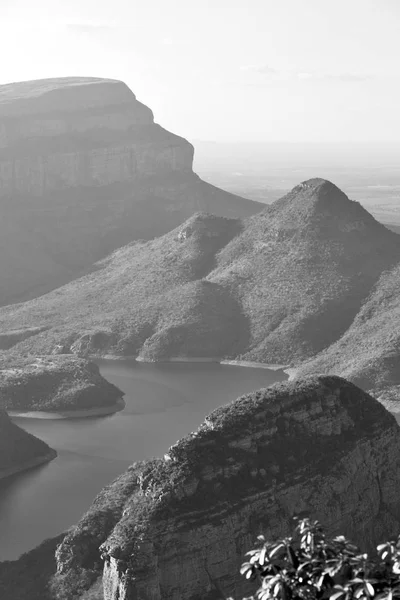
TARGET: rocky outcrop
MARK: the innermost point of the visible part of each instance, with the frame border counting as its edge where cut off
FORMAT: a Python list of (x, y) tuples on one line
[(58, 384), (277, 288), (83, 170), (20, 450), (178, 527)]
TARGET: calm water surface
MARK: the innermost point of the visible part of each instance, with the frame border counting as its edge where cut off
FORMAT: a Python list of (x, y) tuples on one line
[(163, 403)]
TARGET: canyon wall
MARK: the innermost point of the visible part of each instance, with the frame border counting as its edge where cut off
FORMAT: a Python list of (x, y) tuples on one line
[(179, 527)]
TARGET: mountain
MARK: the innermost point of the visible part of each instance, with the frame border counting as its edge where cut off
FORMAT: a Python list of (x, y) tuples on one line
[(65, 385), (179, 526), (368, 354), (20, 450), (277, 287), (83, 170)]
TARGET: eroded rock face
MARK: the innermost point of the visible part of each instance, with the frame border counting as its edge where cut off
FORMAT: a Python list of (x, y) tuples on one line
[(83, 170), (178, 527)]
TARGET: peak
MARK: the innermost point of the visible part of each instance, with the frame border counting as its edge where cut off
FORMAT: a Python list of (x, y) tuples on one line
[(319, 189), (317, 185), (320, 201)]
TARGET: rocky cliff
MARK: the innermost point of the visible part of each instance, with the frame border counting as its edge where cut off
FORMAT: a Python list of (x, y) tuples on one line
[(178, 527), (56, 384), (277, 287), (20, 450), (83, 170)]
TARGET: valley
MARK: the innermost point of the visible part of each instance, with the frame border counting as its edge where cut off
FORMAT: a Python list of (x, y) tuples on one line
[(198, 341), (163, 403)]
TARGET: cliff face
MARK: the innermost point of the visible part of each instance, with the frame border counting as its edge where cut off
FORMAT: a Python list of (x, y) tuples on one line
[(178, 527), (54, 384), (66, 133), (20, 450), (83, 170), (277, 287)]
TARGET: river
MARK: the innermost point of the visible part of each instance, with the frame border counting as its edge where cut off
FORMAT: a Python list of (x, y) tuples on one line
[(163, 403)]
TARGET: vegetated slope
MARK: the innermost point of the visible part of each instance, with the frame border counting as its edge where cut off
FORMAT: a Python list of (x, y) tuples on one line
[(84, 170), (149, 297), (369, 352), (278, 287), (179, 526), (27, 578), (303, 268), (20, 450), (54, 383)]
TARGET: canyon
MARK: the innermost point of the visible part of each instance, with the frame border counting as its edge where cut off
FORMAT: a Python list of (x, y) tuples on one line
[(84, 169), (178, 526)]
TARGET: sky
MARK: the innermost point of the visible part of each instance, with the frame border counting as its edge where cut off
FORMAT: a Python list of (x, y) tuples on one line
[(225, 70)]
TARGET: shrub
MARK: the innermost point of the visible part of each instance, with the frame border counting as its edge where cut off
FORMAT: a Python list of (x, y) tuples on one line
[(309, 566)]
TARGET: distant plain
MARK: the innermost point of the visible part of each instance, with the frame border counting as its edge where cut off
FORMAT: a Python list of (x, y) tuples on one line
[(368, 173)]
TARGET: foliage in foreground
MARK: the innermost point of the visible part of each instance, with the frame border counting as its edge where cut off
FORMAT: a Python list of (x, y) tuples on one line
[(309, 566)]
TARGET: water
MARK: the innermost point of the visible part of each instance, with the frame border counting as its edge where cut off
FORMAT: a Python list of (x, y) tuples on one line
[(163, 403)]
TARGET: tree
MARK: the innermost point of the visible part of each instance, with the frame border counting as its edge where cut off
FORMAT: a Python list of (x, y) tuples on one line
[(309, 566)]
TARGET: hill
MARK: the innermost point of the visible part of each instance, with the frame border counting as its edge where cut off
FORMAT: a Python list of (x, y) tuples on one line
[(277, 287), (179, 526), (65, 385), (368, 354), (84, 169), (20, 450)]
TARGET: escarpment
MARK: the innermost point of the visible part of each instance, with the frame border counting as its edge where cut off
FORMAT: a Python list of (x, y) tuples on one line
[(84, 169), (277, 287), (20, 450), (178, 526)]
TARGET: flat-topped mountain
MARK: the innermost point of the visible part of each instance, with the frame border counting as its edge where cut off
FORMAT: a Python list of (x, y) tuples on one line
[(64, 385), (20, 450), (277, 287), (83, 170), (369, 352), (179, 526)]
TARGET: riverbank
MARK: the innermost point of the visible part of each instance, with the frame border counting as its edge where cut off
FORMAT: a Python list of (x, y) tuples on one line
[(195, 359), (31, 464), (100, 411)]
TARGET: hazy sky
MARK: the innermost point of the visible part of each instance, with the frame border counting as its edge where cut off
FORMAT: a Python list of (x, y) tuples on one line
[(255, 70)]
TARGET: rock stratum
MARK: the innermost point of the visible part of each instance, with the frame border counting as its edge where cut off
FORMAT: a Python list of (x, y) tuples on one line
[(179, 526), (84, 169), (277, 287), (56, 384), (20, 450)]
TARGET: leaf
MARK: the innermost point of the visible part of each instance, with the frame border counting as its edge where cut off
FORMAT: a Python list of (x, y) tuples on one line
[(370, 588), (337, 595), (245, 567), (276, 550), (262, 556)]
